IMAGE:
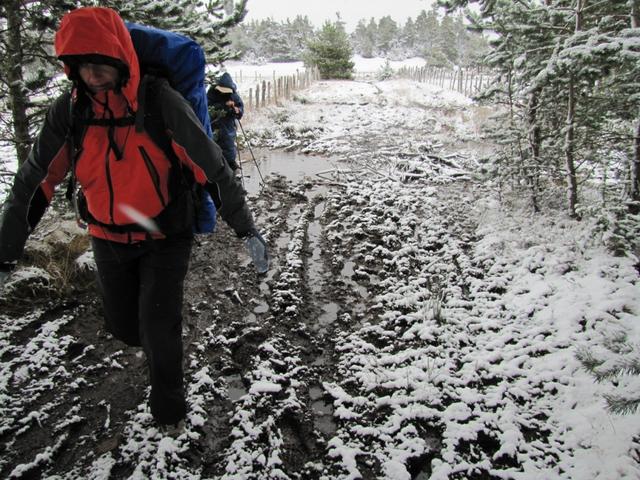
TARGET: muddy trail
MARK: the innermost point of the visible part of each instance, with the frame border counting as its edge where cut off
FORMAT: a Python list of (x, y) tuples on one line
[(259, 353), (336, 364)]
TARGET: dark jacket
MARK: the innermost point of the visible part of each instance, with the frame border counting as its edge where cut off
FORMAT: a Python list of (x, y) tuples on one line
[(222, 118), (139, 179)]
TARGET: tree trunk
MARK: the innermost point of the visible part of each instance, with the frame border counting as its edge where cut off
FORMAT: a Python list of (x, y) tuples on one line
[(569, 141), (534, 148), (572, 181), (12, 68), (635, 166)]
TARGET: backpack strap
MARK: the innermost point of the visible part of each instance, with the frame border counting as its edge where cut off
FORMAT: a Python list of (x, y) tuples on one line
[(142, 103), (154, 126), (74, 137)]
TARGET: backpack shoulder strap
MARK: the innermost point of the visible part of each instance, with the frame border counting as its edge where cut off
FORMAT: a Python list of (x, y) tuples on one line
[(76, 131), (149, 115), (149, 118)]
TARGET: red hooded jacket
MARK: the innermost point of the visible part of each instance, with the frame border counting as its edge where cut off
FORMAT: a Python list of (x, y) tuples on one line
[(114, 186)]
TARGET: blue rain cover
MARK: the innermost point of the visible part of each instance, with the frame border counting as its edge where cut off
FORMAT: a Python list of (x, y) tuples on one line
[(181, 60)]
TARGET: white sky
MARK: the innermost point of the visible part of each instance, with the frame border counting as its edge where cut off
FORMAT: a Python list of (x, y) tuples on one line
[(351, 11)]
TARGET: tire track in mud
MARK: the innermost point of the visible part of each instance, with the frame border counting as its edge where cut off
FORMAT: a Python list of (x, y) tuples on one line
[(250, 364), (275, 431), (252, 348)]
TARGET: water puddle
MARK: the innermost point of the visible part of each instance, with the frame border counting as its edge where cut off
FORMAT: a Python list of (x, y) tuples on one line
[(330, 314), (322, 412), (347, 272), (293, 166), (315, 269), (235, 388), (262, 307)]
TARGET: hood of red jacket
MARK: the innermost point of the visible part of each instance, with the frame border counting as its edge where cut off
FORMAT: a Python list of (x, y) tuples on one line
[(98, 30)]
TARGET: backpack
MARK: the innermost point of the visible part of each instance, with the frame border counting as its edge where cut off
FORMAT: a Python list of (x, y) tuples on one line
[(180, 61)]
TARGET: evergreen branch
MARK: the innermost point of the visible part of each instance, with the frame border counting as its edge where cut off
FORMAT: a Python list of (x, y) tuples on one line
[(620, 366), (622, 405)]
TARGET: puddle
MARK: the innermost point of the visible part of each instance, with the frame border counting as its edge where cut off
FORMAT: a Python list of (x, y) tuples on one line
[(347, 272), (235, 387), (262, 307), (322, 412), (293, 166), (330, 314), (315, 269)]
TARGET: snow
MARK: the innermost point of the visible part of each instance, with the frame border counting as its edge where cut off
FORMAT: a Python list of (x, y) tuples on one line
[(481, 342)]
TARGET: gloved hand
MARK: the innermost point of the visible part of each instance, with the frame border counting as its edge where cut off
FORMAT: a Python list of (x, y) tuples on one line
[(257, 248)]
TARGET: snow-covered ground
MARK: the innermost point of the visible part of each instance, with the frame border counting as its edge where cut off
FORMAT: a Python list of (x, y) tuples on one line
[(481, 307), (451, 331)]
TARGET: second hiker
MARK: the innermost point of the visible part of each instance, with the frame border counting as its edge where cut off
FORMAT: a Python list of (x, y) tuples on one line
[(225, 106)]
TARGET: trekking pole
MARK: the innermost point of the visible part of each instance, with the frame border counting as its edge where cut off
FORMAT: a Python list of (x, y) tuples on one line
[(250, 149), (239, 162)]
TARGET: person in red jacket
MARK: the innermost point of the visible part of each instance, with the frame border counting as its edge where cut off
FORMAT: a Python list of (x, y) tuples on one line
[(141, 236)]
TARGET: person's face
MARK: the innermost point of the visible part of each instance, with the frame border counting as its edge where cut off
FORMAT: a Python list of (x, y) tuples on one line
[(98, 77)]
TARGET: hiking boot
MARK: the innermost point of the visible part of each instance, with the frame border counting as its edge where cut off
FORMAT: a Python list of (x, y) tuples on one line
[(173, 430)]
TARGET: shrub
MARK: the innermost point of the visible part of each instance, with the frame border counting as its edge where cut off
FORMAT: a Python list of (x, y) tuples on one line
[(331, 52)]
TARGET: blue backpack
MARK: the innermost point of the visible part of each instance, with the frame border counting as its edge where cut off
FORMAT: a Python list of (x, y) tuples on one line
[(181, 61)]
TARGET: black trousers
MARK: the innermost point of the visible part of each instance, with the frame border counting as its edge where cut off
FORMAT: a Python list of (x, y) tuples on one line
[(142, 288), (227, 142)]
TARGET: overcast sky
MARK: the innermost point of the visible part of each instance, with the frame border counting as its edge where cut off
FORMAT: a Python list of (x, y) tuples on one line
[(351, 11)]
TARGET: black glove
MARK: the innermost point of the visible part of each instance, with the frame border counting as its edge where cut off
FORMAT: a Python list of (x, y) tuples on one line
[(257, 248)]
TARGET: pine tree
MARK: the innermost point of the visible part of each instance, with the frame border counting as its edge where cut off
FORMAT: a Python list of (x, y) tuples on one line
[(299, 34), (567, 72), (363, 39), (388, 34), (331, 52), (427, 32), (27, 67), (408, 37), (616, 362)]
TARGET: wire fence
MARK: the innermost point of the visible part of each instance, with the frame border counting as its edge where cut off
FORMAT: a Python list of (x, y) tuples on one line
[(261, 90), (466, 81)]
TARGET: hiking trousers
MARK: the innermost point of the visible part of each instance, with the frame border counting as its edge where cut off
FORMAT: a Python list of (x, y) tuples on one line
[(142, 292), (227, 142)]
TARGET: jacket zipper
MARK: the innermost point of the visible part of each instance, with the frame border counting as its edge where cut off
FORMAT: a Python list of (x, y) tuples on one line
[(155, 178)]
